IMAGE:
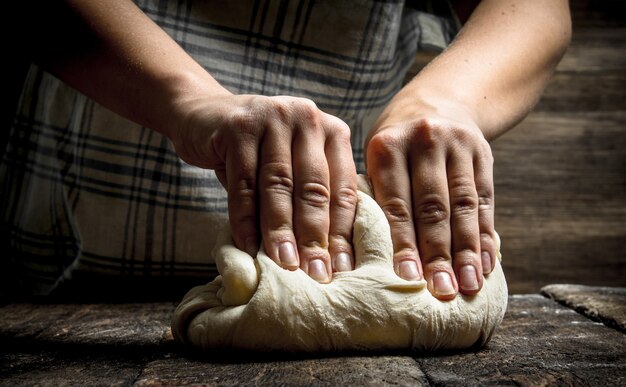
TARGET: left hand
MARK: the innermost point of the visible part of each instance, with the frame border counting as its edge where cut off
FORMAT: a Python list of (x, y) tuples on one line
[(432, 173)]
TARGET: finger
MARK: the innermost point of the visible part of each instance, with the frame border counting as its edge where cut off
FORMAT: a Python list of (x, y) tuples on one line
[(483, 176), (241, 171), (343, 196), (311, 200), (464, 222), (275, 196), (387, 167), (432, 220)]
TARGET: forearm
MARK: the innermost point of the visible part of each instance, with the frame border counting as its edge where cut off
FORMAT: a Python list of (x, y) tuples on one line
[(113, 53), (497, 67)]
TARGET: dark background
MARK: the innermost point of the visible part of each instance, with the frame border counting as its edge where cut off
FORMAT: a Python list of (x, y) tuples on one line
[(560, 176)]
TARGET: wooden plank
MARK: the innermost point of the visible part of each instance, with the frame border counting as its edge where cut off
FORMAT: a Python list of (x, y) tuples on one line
[(538, 343), (599, 303), (328, 371), (561, 200), (595, 49), (570, 91), (592, 74), (138, 325), (86, 344), (130, 343), (51, 365), (598, 13)]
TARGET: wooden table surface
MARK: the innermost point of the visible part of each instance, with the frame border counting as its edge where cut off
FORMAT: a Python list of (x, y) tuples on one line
[(544, 339)]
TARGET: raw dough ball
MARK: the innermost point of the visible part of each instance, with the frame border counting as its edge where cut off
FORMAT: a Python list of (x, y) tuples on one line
[(255, 304)]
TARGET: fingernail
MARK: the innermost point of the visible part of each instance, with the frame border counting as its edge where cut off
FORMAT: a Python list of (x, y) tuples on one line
[(251, 246), (442, 282), (408, 270), (342, 262), (317, 270), (287, 255), (486, 259), (468, 278)]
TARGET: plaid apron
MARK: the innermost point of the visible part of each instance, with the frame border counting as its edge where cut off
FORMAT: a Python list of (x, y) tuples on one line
[(88, 194)]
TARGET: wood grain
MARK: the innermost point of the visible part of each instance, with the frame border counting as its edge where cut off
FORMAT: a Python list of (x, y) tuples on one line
[(539, 343), (561, 200), (560, 176), (604, 304)]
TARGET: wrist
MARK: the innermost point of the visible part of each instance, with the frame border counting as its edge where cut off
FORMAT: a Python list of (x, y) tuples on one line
[(412, 104), (182, 93)]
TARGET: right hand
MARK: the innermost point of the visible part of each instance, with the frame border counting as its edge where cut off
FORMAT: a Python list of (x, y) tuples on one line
[(287, 167)]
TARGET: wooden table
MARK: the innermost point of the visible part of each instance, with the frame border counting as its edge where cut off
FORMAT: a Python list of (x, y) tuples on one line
[(567, 335)]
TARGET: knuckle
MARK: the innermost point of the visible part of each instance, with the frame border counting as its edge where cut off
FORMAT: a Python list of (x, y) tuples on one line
[(280, 111), (486, 239), (406, 252), (307, 105), (437, 262), (345, 198), (244, 119), (431, 210), (241, 220), (280, 231), (311, 127), (340, 131), (486, 152), (278, 178), (275, 230), (314, 248), (488, 242), (464, 205), (244, 188), (467, 254), (427, 133), (314, 195), (310, 249), (485, 201), (339, 243), (242, 201), (463, 135), (383, 146), (463, 196), (466, 257), (300, 109), (397, 211)]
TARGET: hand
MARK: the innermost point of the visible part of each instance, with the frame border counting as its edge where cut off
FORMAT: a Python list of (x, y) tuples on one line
[(432, 172), (287, 166)]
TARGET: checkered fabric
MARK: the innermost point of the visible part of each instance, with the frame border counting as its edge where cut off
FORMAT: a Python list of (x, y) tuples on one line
[(86, 191)]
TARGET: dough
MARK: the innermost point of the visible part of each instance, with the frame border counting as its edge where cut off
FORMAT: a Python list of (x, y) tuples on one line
[(257, 305)]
